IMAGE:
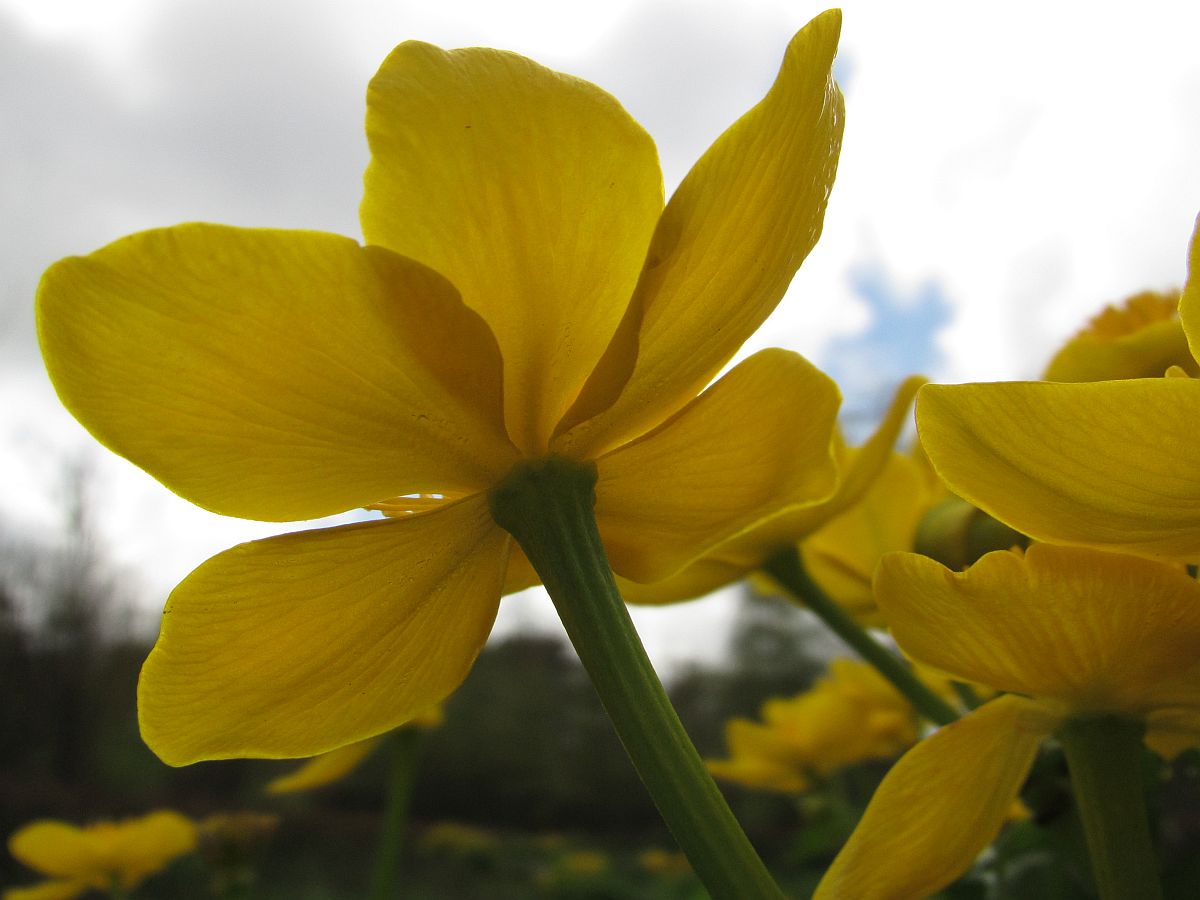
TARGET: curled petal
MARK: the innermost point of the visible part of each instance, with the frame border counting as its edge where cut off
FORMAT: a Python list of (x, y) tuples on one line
[(298, 644), (533, 192), (277, 375), (939, 806), (756, 442), (725, 251), (1109, 464), (1095, 631)]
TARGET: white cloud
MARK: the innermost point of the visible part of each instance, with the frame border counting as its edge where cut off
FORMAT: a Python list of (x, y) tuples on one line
[(1035, 160)]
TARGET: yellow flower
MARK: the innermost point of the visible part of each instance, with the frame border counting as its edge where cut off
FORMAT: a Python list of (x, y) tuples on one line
[(1109, 464), (103, 855), (1141, 338), (523, 294), (851, 715), (1071, 633)]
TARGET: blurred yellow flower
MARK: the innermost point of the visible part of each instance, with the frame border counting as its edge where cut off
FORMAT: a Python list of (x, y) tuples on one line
[(523, 295), (104, 856), (1107, 464), (1070, 633), (851, 715)]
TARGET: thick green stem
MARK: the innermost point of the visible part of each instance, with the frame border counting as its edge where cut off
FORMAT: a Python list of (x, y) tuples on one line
[(549, 507), (787, 569), (405, 745), (1104, 756)]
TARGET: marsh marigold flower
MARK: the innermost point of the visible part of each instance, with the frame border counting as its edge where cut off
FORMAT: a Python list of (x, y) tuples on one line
[(522, 294), (851, 715), (1070, 633), (100, 856)]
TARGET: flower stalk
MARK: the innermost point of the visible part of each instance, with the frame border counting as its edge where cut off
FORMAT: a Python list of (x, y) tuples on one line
[(405, 746), (788, 570), (548, 506), (1104, 757)]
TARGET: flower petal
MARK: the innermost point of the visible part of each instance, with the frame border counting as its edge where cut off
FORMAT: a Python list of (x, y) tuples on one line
[(841, 556), (1096, 631), (54, 848), (748, 550), (324, 769), (754, 443), (298, 644), (1110, 464), (939, 806), (275, 375), (728, 244), (535, 193)]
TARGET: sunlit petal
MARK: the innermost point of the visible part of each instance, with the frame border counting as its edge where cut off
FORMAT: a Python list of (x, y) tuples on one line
[(729, 242), (1096, 631), (939, 806), (533, 192), (298, 644), (1109, 464), (756, 442), (274, 375)]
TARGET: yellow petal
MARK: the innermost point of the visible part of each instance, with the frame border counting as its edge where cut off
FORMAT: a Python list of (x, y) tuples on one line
[(1096, 631), (324, 769), (939, 806), (1109, 464), (534, 193), (754, 443), (842, 555), (747, 551), (274, 375), (1142, 338), (47, 890), (298, 644), (729, 242), (1189, 302), (54, 848)]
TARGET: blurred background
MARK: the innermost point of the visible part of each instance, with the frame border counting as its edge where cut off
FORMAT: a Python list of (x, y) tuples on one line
[(1007, 170)]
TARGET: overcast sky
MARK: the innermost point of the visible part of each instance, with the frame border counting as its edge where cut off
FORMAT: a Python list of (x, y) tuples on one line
[(1007, 169)]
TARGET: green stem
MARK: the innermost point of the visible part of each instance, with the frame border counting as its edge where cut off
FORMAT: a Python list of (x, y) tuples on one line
[(549, 507), (1104, 756), (405, 744), (787, 569)]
